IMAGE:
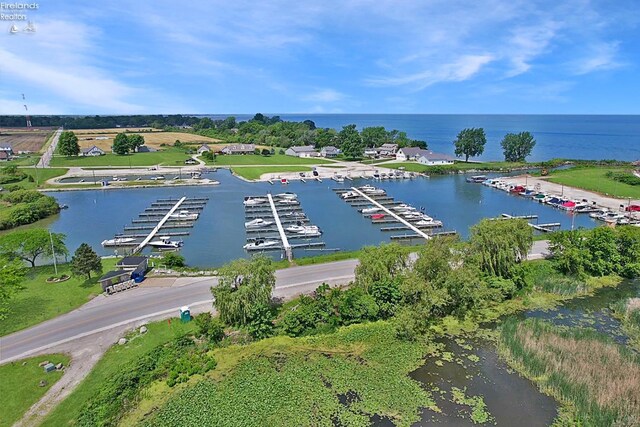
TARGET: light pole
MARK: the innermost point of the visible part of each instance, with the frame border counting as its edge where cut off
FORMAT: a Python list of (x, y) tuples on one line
[(53, 251)]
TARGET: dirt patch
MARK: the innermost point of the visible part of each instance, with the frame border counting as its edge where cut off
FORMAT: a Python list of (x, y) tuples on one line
[(24, 140)]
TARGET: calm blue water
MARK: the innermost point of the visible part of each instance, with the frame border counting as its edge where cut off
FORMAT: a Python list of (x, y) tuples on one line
[(218, 235), (564, 136)]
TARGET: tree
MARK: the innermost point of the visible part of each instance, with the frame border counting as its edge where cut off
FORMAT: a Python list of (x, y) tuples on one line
[(121, 144), (173, 260), (375, 136), (496, 246), (243, 284), (68, 144), (28, 245), (387, 296), (379, 264), (350, 142), (517, 146), (135, 141), (470, 143), (209, 327), (85, 260), (11, 275), (261, 322)]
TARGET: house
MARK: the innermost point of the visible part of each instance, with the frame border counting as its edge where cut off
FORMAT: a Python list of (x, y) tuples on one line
[(431, 159), (409, 153), (388, 150), (239, 149), (7, 148), (329, 151), (370, 152), (302, 151), (4, 155), (204, 148), (91, 151)]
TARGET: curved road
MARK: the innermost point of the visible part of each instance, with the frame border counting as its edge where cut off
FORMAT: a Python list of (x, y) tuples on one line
[(126, 308)]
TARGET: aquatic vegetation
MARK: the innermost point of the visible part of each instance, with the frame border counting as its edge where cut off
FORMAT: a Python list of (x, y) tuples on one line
[(479, 413), (628, 312), (597, 379)]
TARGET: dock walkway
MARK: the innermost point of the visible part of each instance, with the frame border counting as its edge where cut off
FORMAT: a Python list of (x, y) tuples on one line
[(393, 214), (283, 236), (159, 226)]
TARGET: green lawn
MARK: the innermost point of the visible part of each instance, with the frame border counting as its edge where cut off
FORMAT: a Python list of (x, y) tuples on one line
[(595, 179), (168, 157), (40, 301), (276, 159), (111, 362), (20, 387), (27, 160), (255, 172), (458, 166)]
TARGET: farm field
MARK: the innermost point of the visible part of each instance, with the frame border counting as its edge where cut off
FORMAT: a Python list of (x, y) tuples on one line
[(153, 139), (24, 140), (167, 157)]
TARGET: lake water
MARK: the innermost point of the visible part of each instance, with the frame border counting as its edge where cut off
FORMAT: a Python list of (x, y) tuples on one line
[(219, 234), (591, 137)]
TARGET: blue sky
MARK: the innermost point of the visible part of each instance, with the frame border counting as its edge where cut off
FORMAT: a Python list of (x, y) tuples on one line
[(439, 56)]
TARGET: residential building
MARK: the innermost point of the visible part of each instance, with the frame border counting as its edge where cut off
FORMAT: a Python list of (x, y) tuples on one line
[(204, 148), (92, 151), (239, 149), (409, 153), (432, 159), (329, 151), (7, 148), (370, 152), (302, 151), (388, 150)]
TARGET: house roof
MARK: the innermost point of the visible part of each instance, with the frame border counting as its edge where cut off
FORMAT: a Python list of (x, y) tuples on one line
[(111, 274), (203, 146), (6, 146), (132, 260), (413, 151), (388, 146), (86, 150), (146, 149), (240, 147), (303, 149), (330, 148), (430, 155)]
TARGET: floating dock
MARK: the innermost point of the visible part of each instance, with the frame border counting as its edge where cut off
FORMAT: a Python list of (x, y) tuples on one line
[(159, 226), (285, 242)]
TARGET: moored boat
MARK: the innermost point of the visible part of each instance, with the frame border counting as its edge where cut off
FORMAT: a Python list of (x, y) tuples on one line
[(254, 201), (262, 244), (184, 214), (257, 223), (118, 241), (165, 243)]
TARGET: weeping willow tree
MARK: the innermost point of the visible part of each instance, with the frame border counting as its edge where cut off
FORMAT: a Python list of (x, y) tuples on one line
[(499, 245), (380, 263), (243, 285)]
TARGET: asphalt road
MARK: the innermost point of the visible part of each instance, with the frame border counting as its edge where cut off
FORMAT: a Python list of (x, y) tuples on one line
[(104, 313), (46, 157)]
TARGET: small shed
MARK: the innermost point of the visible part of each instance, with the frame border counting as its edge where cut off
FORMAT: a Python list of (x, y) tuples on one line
[(113, 277), (136, 266)]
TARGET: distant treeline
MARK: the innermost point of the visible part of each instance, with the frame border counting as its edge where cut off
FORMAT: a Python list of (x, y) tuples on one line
[(101, 122)]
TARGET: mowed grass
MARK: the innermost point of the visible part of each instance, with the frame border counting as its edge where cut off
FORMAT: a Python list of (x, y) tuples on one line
[(597, 379), (40, 301), (458, 166), (20, 385), (113, 360), (256, 172), (154, 139), (276, 159), (595, 179), (168, 157)]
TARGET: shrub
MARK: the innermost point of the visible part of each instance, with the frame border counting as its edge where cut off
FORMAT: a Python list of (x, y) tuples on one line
[(173, 260), (209, 327)]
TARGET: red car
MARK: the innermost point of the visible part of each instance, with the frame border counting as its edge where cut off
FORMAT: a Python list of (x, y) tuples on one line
[(632, 208)]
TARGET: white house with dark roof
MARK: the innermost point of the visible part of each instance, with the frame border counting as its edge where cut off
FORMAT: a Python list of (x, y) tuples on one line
[(302, 151), (91, 151), (329, 151), (409, 153), (204, 148), (239, 149), (388, 150), (430, 158)]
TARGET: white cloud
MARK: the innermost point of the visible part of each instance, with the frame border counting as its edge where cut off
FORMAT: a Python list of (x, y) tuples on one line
[(325, 95), (601, 56)]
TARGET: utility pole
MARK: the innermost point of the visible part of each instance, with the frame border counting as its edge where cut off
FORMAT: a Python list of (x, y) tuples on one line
[(55, 265)]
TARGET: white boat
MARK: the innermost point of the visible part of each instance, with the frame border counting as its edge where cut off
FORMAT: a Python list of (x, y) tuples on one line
[(257, 223), (427, 223), (367, 188), (310, 233), (287, 195), (118, 241), (337, 178), (349, 195), (165, 243), (184, 215), (254, 201), (377, 192), (261, 244), (299, 228), (293, 214), (370, 210), (403, 207)]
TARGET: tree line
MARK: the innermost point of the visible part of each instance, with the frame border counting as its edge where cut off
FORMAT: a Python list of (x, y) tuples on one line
[(123, 143), (101, 122)]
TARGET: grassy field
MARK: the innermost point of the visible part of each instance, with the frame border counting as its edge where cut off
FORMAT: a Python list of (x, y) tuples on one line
[(255, 172), (39, 176), (595, 179), (117, 356), (23, 160), (276, 159), (154, 139), (456, 167), (40, 301), (20, 387), (597, 379), (168, 157), (24, 140)]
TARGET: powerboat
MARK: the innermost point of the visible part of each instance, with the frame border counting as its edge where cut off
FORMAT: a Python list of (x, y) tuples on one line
[(349, 195), (165, 243), (287, 202), (287, 195), (376, 192), (254, 201), (118, 241), (299, 228), (257, 223), (367, 188), (184, 215), (337, 178), (403, 207), (427, 223), (310, 232), (262, 244), (293, 214), (476, 179), (370, 210), (377, 216)]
